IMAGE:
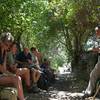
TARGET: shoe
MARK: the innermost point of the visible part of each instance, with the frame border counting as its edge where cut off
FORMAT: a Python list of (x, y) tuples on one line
[(86, 94), (35, 89)]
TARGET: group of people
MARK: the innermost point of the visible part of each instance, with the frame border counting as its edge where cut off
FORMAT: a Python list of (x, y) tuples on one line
[(28, 65), (17, 66)]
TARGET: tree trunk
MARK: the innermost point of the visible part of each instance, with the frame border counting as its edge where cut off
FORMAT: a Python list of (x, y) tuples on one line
[(78, 49), (18, 40)]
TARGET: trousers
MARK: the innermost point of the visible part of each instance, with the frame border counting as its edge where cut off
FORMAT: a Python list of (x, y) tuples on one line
[(94, 76)]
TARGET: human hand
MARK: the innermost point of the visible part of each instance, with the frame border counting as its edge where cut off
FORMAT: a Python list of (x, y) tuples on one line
[(29, 61)]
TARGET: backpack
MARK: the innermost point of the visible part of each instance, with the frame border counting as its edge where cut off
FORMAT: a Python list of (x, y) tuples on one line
[(43, 83)]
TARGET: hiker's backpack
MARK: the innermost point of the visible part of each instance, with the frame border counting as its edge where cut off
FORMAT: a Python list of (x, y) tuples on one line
[(43, 82)]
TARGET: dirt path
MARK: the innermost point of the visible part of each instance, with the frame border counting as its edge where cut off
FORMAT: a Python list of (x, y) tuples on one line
[(63, 89)]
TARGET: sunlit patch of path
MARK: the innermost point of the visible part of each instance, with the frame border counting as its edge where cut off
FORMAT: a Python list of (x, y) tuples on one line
[(62, 89), (55, 95)]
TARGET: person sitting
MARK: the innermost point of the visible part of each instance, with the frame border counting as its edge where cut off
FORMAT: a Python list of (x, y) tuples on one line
[(37, 54), (7, 78), (95, 73), (43, 82), (25, 59), (45, 66), (24, 73)]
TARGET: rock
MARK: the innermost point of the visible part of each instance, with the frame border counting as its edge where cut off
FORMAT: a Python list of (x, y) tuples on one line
[(8, 93)]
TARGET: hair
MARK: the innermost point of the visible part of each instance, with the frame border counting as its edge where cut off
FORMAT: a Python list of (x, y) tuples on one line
[(25, 48), (13, 43), (97, 27), (33, 49), (6, 37)]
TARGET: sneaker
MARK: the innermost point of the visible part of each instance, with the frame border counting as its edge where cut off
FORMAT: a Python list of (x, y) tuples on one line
[(35, 89), (86, 94)]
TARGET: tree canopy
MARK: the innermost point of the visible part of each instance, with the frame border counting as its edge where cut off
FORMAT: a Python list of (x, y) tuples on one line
[(59, 28)]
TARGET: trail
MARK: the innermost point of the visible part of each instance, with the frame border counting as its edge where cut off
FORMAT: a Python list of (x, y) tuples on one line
[(66, 87)]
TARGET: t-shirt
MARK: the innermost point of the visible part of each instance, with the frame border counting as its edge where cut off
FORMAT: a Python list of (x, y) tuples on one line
[(2, 57), (34, 60), (23, 58), (11, 58), (39, 57)]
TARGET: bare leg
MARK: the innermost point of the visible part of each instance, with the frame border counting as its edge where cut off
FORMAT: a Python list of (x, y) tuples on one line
[(15, 81), (35, 75), (24, 73), (2, 69)]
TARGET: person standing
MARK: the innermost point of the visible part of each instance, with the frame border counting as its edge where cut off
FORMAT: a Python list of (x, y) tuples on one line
[(95, 73)]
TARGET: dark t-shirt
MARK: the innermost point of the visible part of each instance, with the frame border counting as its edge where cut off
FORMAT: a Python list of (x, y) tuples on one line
[(2, 57), (23, 58)]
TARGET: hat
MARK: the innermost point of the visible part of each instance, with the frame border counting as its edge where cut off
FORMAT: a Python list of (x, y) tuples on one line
[(6, 37)]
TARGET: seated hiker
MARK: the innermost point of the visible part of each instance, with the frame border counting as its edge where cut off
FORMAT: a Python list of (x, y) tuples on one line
[(45, 66), (24, 73), (35, 61), (37, 54), (42, 82), (25, 60), (95, 74), (8, 79)]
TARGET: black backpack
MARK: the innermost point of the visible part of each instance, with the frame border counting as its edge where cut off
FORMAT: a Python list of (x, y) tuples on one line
[(43, 83)]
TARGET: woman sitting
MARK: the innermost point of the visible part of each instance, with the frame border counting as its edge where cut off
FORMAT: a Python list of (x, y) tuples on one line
[(8, 79)]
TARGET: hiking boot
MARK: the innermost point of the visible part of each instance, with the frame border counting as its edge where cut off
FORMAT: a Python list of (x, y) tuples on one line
[(34, 89), (86, 94)]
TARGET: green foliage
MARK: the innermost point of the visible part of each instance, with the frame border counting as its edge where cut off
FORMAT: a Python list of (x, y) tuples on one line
[(53, 26)]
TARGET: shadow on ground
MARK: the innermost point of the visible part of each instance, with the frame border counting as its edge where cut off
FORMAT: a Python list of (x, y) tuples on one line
[(64, 88)]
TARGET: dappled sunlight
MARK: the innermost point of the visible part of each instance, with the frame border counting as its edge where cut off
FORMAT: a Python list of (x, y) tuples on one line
[(76, 94), (65, 95), (58, 96), (65, 69), (52, 99), (62, 89)]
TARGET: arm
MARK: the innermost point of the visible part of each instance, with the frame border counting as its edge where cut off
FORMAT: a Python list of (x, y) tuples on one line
[(96, 49)]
